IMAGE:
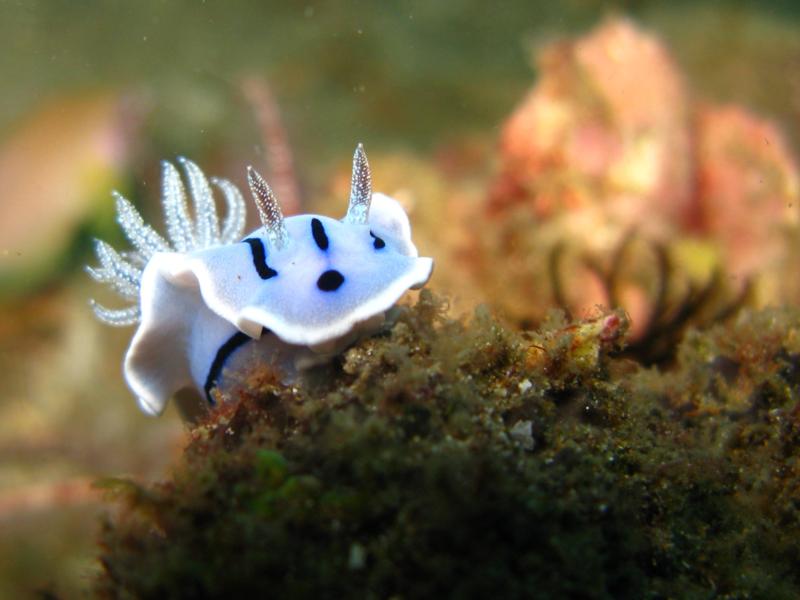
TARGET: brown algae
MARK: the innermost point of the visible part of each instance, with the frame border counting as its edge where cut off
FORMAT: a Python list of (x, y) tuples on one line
[(461, 459)]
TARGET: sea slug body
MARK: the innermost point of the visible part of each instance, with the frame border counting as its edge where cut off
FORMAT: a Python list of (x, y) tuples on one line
[(298, 289)]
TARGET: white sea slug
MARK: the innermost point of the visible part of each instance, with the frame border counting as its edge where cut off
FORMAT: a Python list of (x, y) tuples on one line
[(294, 291)]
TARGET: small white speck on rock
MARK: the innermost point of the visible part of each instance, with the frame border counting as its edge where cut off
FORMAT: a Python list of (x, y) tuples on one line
[(522, 433), (357, 558)]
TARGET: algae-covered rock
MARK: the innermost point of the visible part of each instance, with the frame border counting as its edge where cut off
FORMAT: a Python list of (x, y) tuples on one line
[(445, 458)]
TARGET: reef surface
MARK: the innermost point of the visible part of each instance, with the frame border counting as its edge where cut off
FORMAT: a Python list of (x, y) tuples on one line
[(457, 458)]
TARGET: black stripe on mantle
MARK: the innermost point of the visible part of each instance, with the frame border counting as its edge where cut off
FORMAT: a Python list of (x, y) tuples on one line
[(260, 258), (232, 344)]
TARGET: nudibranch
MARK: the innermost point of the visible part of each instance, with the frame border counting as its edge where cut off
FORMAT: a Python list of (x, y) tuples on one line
[(295, 291)]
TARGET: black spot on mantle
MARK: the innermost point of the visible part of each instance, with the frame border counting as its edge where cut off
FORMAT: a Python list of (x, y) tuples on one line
[(330, 281), (318, 231), (377, 242)]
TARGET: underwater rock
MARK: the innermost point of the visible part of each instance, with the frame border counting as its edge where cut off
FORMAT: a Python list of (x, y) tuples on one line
[(462, 459)]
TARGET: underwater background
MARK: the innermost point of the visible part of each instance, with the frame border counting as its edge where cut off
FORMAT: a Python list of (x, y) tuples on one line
[(555, 158)]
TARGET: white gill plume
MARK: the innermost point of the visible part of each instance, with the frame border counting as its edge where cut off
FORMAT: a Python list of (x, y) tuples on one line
[(122, 271)]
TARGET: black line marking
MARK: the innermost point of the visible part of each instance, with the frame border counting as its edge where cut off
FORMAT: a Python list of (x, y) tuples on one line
[(330, 281), (260, 258), (318, 231), (378, 243), (236, 341)]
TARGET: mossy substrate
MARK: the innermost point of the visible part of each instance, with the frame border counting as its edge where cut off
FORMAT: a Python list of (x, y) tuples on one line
[(458, 459)]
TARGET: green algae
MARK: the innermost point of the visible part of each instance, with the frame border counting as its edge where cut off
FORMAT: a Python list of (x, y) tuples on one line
[(462, 459)]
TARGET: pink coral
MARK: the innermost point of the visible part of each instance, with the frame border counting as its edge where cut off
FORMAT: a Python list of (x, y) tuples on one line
[(606, 122), (747, 187), (607, 150)]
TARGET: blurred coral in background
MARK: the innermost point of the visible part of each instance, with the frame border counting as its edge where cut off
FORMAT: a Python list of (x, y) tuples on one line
[(746, 193), (606, 123), (616, 187)]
